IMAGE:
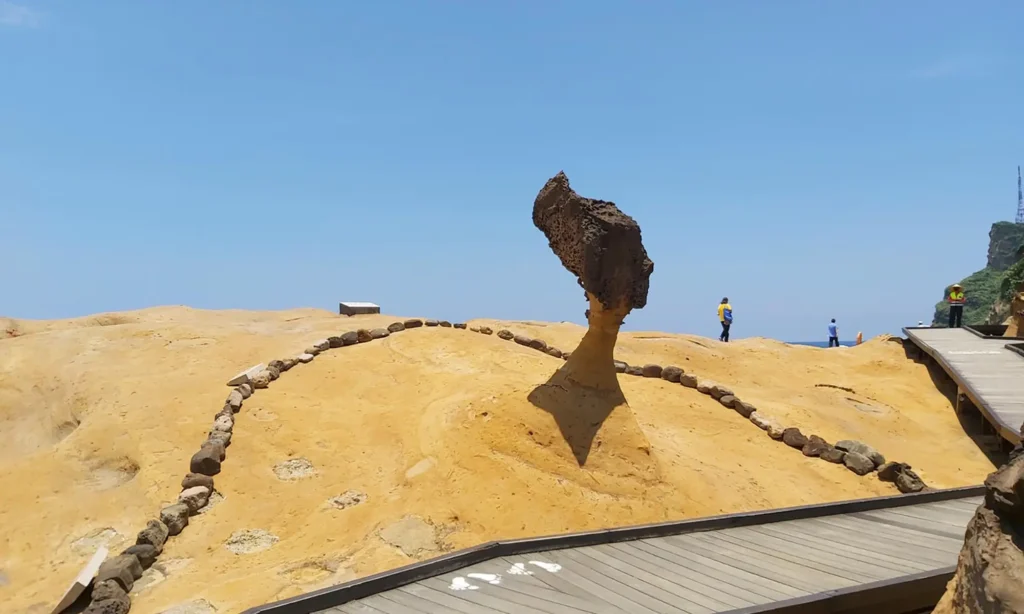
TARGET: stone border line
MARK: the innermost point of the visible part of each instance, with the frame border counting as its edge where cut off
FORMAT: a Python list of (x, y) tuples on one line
[(117, 575), (856, 456)]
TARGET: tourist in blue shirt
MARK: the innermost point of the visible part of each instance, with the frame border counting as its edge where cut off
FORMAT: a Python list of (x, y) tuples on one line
[(833, 334)]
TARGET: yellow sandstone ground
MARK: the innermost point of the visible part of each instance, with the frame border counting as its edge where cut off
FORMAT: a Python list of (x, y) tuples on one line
[(99, 416)]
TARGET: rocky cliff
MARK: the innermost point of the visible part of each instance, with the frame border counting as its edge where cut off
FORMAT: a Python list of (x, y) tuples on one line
[(990, 289)]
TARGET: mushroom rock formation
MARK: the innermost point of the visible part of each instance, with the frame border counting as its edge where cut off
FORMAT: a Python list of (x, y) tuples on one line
[(990, 571), (600, 245)]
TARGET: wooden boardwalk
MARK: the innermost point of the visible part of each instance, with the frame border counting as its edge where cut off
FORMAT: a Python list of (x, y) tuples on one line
[(989, 373), (744, 562)]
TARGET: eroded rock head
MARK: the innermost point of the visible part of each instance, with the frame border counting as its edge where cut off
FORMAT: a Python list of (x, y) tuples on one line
[(597, 242)]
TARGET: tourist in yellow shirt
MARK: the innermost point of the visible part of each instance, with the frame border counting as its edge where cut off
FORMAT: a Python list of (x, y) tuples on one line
[(725, 316)]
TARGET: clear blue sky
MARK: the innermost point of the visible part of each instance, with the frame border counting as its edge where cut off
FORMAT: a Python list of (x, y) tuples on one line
[(808, 159)]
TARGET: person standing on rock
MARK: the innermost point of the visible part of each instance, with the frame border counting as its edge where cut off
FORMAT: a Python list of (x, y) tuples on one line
[(956, 305), (725, 316), (833, 334)]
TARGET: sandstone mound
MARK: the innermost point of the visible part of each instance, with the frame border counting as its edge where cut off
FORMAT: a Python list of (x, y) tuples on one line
[(432, 423)]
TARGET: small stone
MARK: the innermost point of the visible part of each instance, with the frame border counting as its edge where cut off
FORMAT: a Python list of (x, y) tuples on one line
[(223, 423), (379, 333), (235, 400), (274, 372), (196, 479), (261, 379), (671, 373), (522, 340), (288, 363), (146, 553), (620, 367), (207, 460), (566, 355), (486, 330), (431, 322), (312, 351), (743, 408), (888, 472), (634, 370), (793, 438), (727, 400), (349, 498), (651, 370), (215, 446), (350, 338), (124, 569), (336, 341), (704, 386), (445, 324), (908, 481), (849, 445), (858, 463), (759, 421), (363, 335), (505, 334), (175, 518), (538, 344), (775, 431), (688, 379), (557, 353), (413, 323), (220, 438), (107, 589), (155, 534), (246, 390), (718, 391), (815, 446), (396, 327), (121, 603), (305, 358), (276, 364), (459, 325), (322, 345), (832, 455), (194, 498), (247, 541)]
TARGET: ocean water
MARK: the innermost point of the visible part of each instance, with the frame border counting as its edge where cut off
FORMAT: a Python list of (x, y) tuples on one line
[(821, 344)]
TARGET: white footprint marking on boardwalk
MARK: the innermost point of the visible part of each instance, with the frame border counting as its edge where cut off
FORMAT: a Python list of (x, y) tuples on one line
[(550, 567), (486, 577), (519, 569), (459, 584)]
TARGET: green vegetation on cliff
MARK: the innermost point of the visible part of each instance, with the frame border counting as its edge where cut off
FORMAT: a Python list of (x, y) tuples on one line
[(988, 291)]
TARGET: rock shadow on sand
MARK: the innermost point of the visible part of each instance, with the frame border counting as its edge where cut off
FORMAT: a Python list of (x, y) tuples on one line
[(579, 411)]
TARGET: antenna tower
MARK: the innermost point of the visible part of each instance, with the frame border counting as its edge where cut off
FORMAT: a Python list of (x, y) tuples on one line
[(1020, 200)]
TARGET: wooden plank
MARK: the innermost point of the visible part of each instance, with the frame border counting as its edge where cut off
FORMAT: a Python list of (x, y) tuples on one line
[(913, 533), (750, 565), (730, 580), (917, 524), (414, 603), (604, 590), (554, 582), (453, 604), (679, 595), (382, 603), (354, 607), (801, 576), (873, 542), (854, 571), (858, 552), (664, 597), (648, 598), (482, 598), (952, 519), (709, 587)]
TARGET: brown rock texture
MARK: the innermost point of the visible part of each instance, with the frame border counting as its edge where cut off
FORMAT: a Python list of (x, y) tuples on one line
[(597, 242), (990, 571), (1016, 327)]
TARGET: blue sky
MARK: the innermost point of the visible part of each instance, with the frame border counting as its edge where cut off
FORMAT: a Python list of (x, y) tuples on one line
[(808, 159)]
